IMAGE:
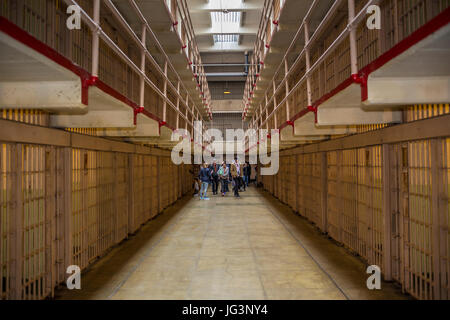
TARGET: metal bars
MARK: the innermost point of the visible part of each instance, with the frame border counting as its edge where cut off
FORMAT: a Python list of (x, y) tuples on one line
[(93, 49), (61, 206), (387, 203), (333, 60)]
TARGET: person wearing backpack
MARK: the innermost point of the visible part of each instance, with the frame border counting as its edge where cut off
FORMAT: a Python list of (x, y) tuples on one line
[(214, 176)]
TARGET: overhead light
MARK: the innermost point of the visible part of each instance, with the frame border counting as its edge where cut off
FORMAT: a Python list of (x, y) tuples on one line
[(227, 90), (225, 25), (226, 38)]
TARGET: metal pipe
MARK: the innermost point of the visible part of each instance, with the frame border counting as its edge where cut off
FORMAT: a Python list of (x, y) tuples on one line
[(226, 65), (308, 64), (246, 62), (286, 70), (142, 84), (352, 36), (226, 74), (96, 38)]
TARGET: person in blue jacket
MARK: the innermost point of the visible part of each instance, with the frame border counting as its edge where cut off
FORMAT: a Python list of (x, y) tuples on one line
[(205, 178)]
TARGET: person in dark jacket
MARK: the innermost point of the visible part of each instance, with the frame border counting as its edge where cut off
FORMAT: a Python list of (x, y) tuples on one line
[(223, 175), (242, 178), (205, 177), (229, 177), (247, 173), (214, 176)]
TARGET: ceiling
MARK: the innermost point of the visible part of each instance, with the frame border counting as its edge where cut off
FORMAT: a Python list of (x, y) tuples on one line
[(225, 25), (225, 31)]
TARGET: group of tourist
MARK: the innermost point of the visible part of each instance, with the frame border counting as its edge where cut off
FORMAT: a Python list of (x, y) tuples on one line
[(235, 173)]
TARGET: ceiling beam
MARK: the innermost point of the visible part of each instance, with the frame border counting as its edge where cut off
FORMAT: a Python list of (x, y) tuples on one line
[(240, 31)]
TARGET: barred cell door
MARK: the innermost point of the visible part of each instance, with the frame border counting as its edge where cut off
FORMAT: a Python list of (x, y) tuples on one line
[(418, 227), (399, 202), (39, 240)]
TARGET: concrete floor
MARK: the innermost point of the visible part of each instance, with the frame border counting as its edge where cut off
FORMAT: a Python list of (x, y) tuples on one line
[(227, 248)]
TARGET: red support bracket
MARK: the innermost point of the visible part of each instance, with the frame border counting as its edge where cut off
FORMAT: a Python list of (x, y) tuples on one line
[(175, 23), (86, 82), (184, 46), (360, 79), (268, 46), (162, 123), (276, 22), (290, 123), (91, 81), (137, 111), (312, 109)]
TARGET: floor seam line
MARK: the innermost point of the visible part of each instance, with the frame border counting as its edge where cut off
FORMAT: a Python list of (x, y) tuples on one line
[(256, 262), (146, 255), (307, 251), (189, 291)]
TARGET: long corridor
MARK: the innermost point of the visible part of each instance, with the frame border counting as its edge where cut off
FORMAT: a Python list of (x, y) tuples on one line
[(250, 248)]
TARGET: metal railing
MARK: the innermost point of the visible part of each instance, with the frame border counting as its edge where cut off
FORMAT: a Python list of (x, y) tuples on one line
[(98, 48), (97, 32), (326, 58), (67, 205), (384, 199)]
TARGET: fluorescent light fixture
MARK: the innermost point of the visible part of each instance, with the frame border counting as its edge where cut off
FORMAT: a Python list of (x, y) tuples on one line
[(225, 25), (224, 4), (226, 38)]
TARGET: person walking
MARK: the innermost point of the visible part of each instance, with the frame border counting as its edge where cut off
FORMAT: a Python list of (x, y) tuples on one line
[(205, 177), (196, 187), (223, 175), (230, 179), (241, 178), (235, 173), (247, 173), (215, 177)]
